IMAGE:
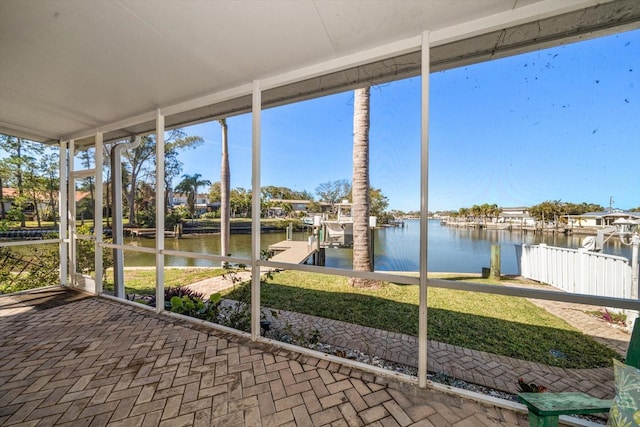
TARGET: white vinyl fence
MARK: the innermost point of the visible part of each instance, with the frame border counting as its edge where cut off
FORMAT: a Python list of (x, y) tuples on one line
[(576, 270)]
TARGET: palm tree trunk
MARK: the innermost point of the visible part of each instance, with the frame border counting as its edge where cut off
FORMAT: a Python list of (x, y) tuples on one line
[(2, 212), (225, 190), (360, 186)]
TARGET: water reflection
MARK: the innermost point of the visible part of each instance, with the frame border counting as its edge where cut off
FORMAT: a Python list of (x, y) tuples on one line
[(396, 249)]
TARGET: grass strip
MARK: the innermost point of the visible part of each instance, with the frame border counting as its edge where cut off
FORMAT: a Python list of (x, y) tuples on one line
[(497, 324)]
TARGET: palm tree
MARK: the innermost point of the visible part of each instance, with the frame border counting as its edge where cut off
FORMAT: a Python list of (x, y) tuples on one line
[(476, 212), (189, 186), (225, 193), (464, 213), (360, 187)]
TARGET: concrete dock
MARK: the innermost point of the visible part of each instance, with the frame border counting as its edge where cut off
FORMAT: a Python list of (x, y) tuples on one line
[(293, 251)]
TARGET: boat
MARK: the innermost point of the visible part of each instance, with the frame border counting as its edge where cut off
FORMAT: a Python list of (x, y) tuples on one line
[(339, 231)]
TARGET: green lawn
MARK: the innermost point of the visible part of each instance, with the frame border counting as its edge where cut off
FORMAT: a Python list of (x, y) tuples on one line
[(142, 281), (497, 324)]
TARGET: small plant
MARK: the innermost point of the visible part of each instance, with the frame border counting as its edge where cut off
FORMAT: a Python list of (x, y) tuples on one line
[(231, 273), (299, 337), (181, 291), (525, 387), (607, 316), (197, 307), (170, 292)]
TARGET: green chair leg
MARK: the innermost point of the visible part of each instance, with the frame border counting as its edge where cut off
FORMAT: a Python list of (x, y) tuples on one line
[(543, 421)]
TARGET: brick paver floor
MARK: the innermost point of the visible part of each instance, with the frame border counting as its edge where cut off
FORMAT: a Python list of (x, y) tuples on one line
[(97, 362)]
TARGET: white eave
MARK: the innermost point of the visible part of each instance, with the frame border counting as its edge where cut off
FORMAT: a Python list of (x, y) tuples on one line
[(69, 68)]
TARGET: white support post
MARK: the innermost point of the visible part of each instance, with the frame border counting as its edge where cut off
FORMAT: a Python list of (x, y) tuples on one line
[(255, 211), (63, 208), (116, 223), (71, 212), (97, 212), (424, 212), (160, 207)]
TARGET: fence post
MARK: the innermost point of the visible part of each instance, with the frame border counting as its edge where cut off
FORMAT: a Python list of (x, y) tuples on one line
[(520, 258), (583, 274), (542, 263)]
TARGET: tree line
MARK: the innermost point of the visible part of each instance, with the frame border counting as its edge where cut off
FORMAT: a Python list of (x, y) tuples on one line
[(549, 210), (32, 169)]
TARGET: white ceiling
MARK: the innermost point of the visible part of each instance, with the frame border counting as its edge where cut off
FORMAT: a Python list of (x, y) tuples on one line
[(69, 67)]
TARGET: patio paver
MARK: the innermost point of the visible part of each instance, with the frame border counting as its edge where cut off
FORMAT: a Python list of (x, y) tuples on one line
[(94, 361)]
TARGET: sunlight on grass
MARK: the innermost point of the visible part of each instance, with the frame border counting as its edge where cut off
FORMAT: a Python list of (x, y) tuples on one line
[(497, 324), (509, 326)]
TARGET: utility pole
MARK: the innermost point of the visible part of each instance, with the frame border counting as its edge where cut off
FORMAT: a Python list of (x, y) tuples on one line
[(610, 204)]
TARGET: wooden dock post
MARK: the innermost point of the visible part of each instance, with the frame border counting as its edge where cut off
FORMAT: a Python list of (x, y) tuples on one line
[(495, 262), (321, 257)]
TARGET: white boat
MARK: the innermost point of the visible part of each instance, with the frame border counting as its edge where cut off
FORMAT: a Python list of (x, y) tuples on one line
[(340, 231)]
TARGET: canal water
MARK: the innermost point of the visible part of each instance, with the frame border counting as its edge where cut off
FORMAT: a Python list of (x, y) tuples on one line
[(396, 248)]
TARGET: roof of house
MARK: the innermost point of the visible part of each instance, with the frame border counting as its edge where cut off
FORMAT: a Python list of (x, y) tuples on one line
[(292, 201), (11, 193), (604, 214)]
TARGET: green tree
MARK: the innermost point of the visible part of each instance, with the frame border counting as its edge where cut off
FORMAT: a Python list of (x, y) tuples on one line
[(240, 201), (34, 186), (549, 210), (333, 192), (87, 159), (4, 177), (215, 192), (140, 159), (580, 208), (172, 169), (464, 212), (21, 156), (476, 212), (50, 169), (378, 202), (189, 186), (486, 211)]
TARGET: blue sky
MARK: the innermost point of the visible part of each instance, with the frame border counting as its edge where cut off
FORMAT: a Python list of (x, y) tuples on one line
[(558, 124)]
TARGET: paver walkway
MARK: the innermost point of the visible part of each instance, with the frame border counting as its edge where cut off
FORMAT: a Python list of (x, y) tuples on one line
[(494, 371), (98, 362)]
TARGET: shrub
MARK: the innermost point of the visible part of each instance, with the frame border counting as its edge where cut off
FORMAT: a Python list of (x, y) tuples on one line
[(28, 268), (86, 253), (210, 215), (196, 307), (170, 292), (146, 218)]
